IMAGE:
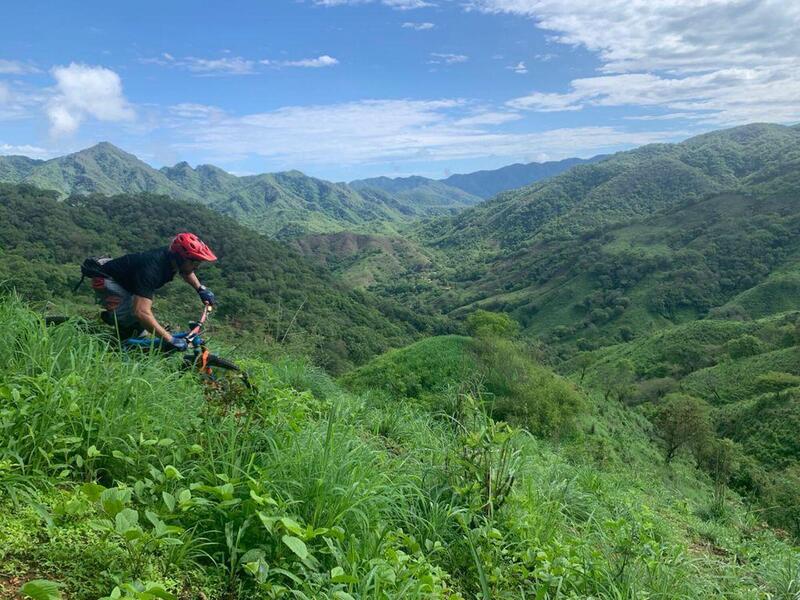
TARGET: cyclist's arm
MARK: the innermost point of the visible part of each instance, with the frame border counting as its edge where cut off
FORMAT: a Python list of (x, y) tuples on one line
[(143, 311), (191, 279)]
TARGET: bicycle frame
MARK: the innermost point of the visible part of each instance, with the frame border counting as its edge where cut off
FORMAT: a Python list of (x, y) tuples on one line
[(192, 337), (195, 343)]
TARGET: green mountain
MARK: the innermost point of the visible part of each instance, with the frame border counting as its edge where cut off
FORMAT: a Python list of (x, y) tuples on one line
[(488, 183), (267, 291), (459, 191), (639, 240), (670, 269), (428, 195), (281, 205), (624, 187), (621, 421)]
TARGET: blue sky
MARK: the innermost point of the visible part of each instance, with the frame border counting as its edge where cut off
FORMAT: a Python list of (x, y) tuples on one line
[(344, 89)]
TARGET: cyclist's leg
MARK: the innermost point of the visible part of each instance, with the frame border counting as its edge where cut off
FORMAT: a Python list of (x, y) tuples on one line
[(118, 304)]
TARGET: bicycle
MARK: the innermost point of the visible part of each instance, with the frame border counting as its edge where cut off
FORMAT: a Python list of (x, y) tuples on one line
[(196, 357)]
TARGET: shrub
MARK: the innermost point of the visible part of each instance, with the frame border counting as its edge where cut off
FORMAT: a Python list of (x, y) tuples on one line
[(743, 346), (483, 323)]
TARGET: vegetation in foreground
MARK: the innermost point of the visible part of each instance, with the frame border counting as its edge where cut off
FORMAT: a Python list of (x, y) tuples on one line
[(121, 478)]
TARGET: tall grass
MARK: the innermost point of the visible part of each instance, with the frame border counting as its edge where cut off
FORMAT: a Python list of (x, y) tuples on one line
[(307, 491)]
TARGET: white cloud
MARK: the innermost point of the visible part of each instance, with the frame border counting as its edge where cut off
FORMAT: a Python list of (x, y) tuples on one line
[(377, 131), (311, 63), (234, 65), (489, 117), (219, 66), (86, 91), (226, 65), (25, 150), (519, 68), (19, 100), (438, 58), (725, 96), (734, 60), (418, 26), (15, 67)]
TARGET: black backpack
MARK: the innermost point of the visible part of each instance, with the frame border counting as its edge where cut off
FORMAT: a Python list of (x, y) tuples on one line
[(92, 267)]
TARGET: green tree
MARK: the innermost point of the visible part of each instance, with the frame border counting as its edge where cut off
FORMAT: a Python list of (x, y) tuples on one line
[(483, 323), (683, 421), (618, 380)]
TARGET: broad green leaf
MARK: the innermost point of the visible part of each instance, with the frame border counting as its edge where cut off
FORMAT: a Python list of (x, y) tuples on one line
[(293, 526), (172, 473), (114, 500), (338, 576), (259, 569), (169, 500), (252, 555), (296, 545), (41, 589), (93, 452), (92, 491), (127, 521), (340, 595)]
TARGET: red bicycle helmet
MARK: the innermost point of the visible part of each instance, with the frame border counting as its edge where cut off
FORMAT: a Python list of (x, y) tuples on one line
[(191, 247)]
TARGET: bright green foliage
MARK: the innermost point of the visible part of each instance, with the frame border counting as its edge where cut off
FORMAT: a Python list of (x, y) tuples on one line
[(516, 387), (483, 323), (135, 487), (41, 589), (746, 345), (426, 367)]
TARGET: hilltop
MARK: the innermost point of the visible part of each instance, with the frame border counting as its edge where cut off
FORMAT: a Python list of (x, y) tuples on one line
[(490, 182)]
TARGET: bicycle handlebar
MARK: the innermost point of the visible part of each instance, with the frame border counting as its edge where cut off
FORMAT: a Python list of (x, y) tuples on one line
[(196, 329)]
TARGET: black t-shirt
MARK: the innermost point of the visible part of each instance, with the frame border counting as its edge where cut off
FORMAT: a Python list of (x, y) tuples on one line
[(141, 273)]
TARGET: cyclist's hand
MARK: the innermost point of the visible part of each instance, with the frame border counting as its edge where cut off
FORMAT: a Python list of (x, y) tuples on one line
[(206, 295), (179, 343)]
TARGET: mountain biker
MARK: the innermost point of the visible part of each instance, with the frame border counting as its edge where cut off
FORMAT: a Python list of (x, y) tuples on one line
[(129, 282)]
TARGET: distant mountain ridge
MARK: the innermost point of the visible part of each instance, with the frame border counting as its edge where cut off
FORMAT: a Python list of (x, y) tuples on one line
[(488, 183), (282, 205), (468, 189)]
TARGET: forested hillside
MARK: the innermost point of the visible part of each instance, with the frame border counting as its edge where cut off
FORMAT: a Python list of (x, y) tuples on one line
[(433, 196), (361, 260), (635, 242), (266, 290)]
